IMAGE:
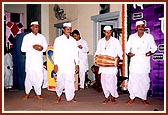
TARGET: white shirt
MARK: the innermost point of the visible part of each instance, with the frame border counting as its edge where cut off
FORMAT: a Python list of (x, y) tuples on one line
[(65, 54), (34, 58), (140, 63), (83, 59), (112, 48)]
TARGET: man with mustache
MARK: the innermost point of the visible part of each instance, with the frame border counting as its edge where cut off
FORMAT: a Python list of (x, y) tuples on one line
[(140, 46), (34, 44), (65, 64)]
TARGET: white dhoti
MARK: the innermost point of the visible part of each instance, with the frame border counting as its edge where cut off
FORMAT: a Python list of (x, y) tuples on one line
[(109, 85), (138, 85), (33, 79), (65, 81), (82, 77), (45, 79)]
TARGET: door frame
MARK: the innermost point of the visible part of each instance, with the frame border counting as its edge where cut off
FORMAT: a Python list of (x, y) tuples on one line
[(111, 18)]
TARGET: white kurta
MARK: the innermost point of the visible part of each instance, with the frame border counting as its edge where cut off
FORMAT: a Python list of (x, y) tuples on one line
[(34, 61), (8, 71), (139, 64), (112, 48), (65, 56), (83, 61)]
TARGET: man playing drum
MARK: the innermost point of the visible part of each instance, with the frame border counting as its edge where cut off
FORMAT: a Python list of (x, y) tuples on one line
[(108, 49)]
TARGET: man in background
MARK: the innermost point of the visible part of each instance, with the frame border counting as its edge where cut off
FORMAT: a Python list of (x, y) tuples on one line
[(8, 69), (19, 57), (83, 58)]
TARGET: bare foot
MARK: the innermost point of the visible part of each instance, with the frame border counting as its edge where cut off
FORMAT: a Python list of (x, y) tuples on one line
[(39, 97), (26, 97), (92, 83), (130, 101), (113, 100), (81, 89), (58, 100), (106, 101), (73, 100), (145, 102)]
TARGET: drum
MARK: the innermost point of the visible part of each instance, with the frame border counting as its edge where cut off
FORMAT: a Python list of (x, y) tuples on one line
[(106, 61)]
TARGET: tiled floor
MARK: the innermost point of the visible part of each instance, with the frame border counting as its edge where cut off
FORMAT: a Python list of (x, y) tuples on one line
[(88, 100)]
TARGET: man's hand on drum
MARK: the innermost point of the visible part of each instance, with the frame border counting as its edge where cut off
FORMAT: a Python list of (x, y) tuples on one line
[(118, 59), (130, 54), (76, 69), (95, 59)]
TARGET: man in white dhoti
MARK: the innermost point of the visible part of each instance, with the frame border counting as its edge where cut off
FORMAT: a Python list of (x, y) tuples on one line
[(140, 47), (109, 46), (65, 64), (83, 58), (45, 75), (34, 44), (8, 70)]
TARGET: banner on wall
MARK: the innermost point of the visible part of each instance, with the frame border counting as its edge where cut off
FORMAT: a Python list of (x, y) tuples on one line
[(13, 26), (50, 66)]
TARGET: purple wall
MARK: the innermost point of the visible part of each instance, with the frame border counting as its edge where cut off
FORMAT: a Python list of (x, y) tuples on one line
[(150, 13)]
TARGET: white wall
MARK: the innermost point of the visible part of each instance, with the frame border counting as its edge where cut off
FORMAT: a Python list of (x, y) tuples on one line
[(45, 21)]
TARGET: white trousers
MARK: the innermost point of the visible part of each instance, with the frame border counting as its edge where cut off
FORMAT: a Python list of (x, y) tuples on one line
[(109, 85), (82, 78), (65, 81), (34, 80), (138, 85), (8, 78)]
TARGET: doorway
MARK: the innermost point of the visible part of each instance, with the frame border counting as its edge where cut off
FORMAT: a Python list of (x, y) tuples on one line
[(99, 21)]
